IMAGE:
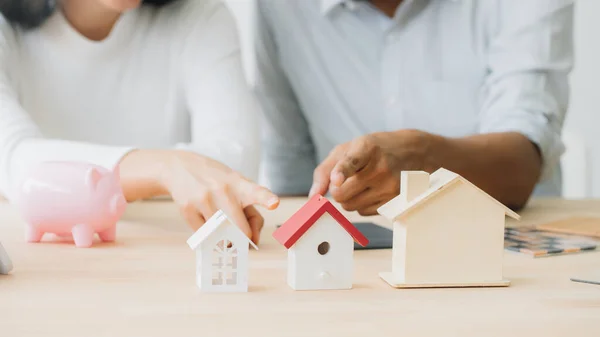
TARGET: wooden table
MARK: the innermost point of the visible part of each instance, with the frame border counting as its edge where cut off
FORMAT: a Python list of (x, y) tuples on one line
[(144, 285)]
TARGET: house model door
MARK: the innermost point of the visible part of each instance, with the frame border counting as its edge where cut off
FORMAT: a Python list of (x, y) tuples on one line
[(225, 264)]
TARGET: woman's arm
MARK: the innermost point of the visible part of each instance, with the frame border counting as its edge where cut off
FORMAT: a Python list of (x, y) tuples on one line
[(214, 170), (224, 113), (21, 143)]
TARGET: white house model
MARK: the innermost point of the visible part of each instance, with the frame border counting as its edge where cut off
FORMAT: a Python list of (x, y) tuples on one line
[(5, 262), (320, 243), (221, 255), (447, 233)]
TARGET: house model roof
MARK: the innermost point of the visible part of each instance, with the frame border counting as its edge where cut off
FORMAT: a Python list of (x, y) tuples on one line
[(210, 227), (305, 217), (439, 182)]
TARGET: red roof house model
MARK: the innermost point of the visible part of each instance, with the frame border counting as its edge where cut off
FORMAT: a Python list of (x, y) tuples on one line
[(305, 217)]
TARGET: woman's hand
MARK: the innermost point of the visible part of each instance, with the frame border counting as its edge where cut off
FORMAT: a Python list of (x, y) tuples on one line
[(200, 186)]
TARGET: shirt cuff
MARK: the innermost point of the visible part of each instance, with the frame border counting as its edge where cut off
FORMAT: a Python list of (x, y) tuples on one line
[(31, 152), (540, 131)]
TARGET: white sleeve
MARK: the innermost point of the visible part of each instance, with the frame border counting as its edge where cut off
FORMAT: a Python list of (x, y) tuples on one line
[(224, 113), (21, 142), (529, 61)]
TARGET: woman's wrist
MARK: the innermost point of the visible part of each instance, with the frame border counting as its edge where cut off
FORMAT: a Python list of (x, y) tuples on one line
[(143, 173)]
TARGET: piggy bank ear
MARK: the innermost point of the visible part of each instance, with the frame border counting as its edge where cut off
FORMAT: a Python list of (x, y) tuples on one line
[(117, 172), (93, 176)]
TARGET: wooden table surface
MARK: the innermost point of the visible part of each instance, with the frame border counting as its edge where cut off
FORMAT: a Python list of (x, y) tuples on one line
[(144, 285)]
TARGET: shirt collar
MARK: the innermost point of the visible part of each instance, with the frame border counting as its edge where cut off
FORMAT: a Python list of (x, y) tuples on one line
[(328, 5)]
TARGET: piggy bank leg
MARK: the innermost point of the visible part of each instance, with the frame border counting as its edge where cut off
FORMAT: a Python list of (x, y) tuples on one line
[(109, 235), (32, 234), (83, 235)]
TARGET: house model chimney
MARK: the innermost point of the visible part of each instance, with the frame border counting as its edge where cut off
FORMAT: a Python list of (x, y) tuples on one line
[(413, 184)]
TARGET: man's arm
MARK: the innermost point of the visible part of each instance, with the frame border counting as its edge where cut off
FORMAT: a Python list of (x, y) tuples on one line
[(288, 151), (530, 55), (364, 174), (506, 165)]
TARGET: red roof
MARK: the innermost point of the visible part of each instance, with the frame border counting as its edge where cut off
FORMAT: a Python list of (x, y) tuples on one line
[(305, 217)]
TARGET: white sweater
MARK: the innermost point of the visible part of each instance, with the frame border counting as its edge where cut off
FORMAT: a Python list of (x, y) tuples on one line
[(164, 78)]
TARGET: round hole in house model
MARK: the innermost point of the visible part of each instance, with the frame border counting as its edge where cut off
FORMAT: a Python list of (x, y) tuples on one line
[(323, 248)]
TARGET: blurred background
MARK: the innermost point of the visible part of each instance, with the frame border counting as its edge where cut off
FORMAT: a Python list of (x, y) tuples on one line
[(581, 162)]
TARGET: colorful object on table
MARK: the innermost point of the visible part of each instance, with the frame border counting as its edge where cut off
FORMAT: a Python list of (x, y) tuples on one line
[(71, 199), (320, 242), (447, 233), (5, 262), (583, 226), (221, 255), (539, 243)]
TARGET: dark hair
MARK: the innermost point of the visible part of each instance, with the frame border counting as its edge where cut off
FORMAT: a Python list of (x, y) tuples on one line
[(29, 14)]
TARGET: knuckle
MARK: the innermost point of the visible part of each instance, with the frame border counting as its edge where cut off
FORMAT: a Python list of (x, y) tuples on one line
[(352, 161), (365, 212), (187, 207), (221, 189), (367, 142), (203, 198), (382, 170), (258, 190), (348, 207), (383, 167), (236, 176)]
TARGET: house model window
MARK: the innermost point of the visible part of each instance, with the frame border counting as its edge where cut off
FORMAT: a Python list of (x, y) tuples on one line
[(323, 248), (5, 262), (224, 267)]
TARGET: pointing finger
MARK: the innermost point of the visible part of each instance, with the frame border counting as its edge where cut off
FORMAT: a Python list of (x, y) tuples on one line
[(356, 158), (254, 194)]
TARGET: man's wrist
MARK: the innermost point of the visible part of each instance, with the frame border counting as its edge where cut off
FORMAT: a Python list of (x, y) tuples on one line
[(421, 149), (435, 147)]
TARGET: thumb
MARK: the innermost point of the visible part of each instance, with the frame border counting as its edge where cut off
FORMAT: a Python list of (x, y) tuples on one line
[(321, 176)]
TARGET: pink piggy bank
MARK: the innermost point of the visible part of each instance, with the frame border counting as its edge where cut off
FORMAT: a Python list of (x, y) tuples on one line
[(67, 198)]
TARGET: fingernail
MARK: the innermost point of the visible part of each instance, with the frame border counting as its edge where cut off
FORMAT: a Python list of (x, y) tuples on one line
[(273, 202), (313, 191)]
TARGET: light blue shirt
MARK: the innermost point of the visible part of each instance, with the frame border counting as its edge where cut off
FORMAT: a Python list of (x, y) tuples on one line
[(329, 71)]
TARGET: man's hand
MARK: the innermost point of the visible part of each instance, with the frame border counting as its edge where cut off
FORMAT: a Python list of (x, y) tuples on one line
[(365, 173)]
